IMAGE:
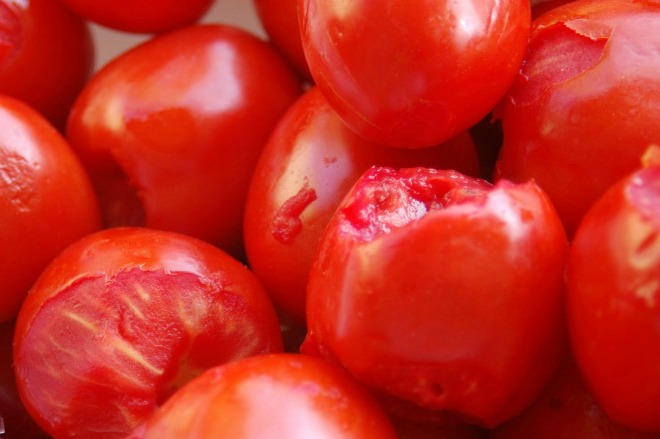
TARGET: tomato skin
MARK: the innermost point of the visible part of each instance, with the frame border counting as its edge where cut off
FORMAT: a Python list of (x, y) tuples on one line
[(46, 55), (310, 162), (46, 200), (280, 21), (583, 120), (182, 160), (271, 396), (445, 308), (124, 317), (141, 16), (401, 79), (612, 289)]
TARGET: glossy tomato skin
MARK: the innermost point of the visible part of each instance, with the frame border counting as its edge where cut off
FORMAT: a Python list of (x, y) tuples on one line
[(311, 160), (280, 21), (413, 74), (442, 290), (613, 312), (15, 422), (46, 55), (171, 130), (581, 122), (124, 317), (271, 396), (46, 200), (565, 410), (141, 16)]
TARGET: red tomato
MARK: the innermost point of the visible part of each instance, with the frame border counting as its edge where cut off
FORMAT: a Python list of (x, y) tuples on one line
[(280, 21), (310, 162), (413, 74), (15, 422), (565, 410), (141, 16), (171, 130), (442, 290), (124, 317), (613, 292), (46, 200), (46, 55), (271, 396), (586, 103)]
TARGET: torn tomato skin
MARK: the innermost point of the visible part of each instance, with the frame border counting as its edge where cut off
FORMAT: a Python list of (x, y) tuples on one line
[(458, 311), (579, 134), (136, 255), (311, 148), (612, 277)]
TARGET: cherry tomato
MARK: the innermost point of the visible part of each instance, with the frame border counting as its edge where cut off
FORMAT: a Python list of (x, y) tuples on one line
[(141, 16), (310, 162), (171, 130), (124, 317), (46, 55), (442, 290), (15, 422), (586, 103), (613, 290), (271, 396), (280, 21), (413, 74), (46, 200), (566, 409)]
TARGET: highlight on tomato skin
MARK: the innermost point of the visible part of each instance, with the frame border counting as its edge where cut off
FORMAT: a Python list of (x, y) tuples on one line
[(310, 161), (46, 200), (586, 102), (613, 312), (171, 130), (271, 396), (443, 291), (123, 318), (46, 56)]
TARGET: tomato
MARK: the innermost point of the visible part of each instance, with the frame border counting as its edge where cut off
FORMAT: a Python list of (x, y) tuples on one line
[(586, 103), (271, 396), (614, 319), (46, 200), (171, 130), (565, 409), (46, 55), (141, 16), (15, 422), (124, 317), (310, 162), (442, 290), (280, 21), (413, 74)]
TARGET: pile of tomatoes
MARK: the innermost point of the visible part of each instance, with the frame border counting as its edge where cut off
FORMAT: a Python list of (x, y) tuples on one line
[(434, 219)]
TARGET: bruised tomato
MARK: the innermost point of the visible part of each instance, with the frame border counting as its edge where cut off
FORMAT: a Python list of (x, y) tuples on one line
[(442, 290), (310, 162), (271, 396), (124, 317), (171, 130)]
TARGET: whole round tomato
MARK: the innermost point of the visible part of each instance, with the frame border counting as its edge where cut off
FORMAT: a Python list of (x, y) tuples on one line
[(613, 290), (413, 74), (280, 21), (270, 396), (442, 290), (124, 317), (46, 55), (141, 16), (46, 200), (310, 162), (586, 103), (171, 130)]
